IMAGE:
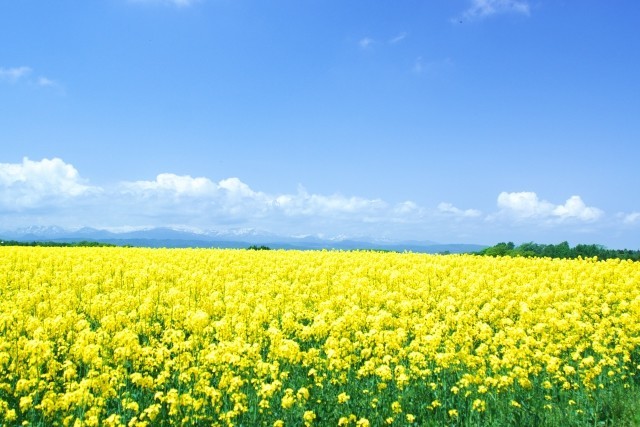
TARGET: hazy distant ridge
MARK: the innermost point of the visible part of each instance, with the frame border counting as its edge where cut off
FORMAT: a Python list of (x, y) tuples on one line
[(169, 237)]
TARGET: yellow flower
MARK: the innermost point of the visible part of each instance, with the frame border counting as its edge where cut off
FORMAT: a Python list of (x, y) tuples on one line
[(25, 403), (132, 406), (525, 383), (309, 416), (479, 405), (303, 393), (10, 415), (288, 399)]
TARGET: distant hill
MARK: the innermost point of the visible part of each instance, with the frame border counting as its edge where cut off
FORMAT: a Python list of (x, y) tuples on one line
[(241, 238)]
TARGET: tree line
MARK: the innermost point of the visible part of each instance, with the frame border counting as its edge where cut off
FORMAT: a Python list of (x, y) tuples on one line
[(561, 250)]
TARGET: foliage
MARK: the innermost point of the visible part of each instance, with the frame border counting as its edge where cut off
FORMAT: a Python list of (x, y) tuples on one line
[(259, 248), (561, 250), (159, 337)]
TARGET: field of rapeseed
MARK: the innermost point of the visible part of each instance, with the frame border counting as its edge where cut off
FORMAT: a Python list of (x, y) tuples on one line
[(153, 337)]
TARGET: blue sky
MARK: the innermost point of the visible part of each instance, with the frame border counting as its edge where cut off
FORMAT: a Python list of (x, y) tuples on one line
[(469, 121)]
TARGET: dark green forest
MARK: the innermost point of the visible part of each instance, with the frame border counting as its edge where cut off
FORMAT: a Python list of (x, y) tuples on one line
[(561, 250)]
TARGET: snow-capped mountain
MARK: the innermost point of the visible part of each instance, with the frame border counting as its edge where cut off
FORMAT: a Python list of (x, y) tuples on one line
[(229, 238)]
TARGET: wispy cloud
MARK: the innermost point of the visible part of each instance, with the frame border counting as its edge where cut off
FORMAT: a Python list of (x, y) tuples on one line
[(25, 75), (448, 208), (432, 68), (177, 3), (418, 65), (406, 207), (480, 9), (12, 75), (45, 82), (398, 38), (182, 3), (366, 42), (632, 218)]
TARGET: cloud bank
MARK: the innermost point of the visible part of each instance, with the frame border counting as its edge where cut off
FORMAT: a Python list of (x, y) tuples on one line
[(53, 192)]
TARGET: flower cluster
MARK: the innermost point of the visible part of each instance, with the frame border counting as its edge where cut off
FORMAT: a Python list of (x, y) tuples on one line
[(145, 337)]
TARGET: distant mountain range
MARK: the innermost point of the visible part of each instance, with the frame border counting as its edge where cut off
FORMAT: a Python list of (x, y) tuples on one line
[(235, 238)]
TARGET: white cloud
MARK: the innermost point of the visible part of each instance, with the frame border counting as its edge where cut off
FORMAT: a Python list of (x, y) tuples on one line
[(307, 204), (171, 194), (433, 68), (418, 65), (51, 191), (36, 183), (524, 204), (398, 38), (12, 75), (176, 184), (185, 185), (366, 42), (233, 195), (480, 9), (45, 82), (25, 74), (339, 203), (632, 218), (527, 205), (178, 3), (406, 208), (574, 207), (448, 208), (237, 188)]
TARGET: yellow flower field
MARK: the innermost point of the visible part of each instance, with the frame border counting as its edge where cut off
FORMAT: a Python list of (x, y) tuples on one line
[(199, 337)]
